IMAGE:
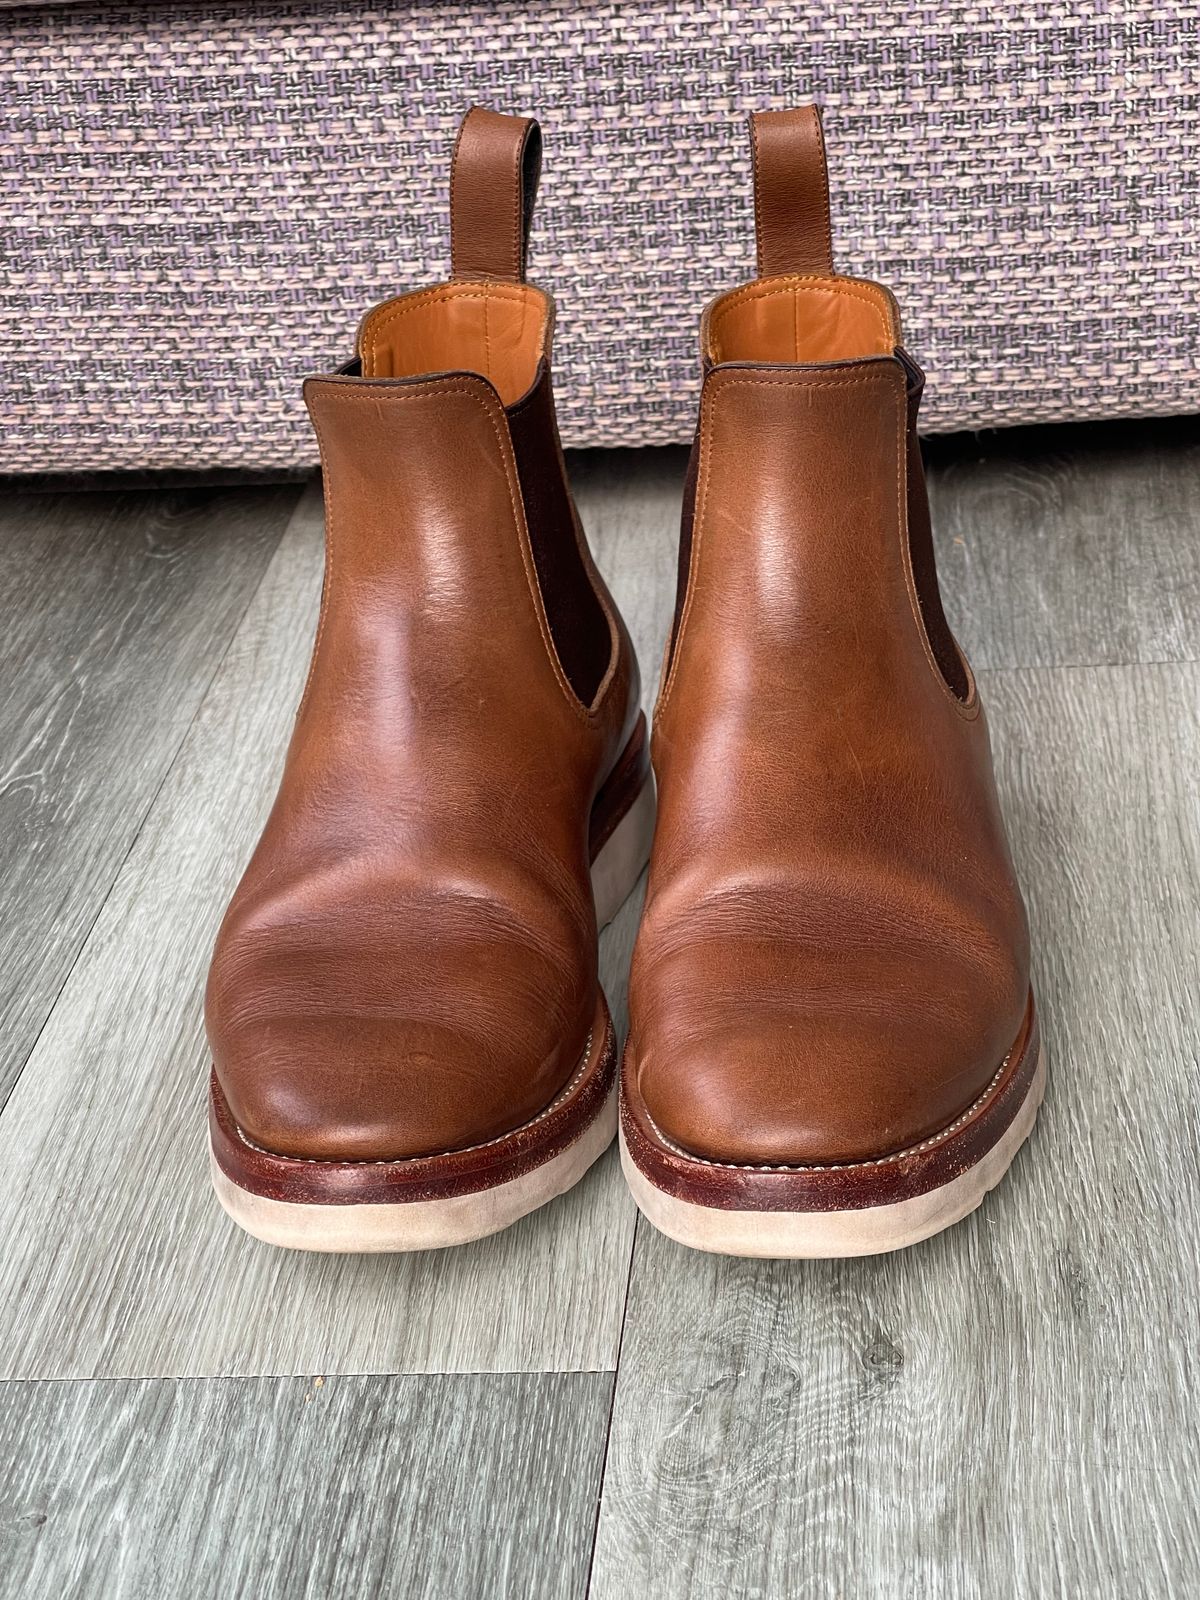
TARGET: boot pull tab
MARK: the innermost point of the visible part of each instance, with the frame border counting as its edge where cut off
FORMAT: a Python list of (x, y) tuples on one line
[(791, 192), (493, 183)]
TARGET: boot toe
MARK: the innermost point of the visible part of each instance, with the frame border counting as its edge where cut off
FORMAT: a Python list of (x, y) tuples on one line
[(337, 1053), (810, 1077)]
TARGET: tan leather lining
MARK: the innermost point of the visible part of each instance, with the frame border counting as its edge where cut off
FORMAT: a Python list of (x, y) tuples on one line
[(497, 330), (801, 318)]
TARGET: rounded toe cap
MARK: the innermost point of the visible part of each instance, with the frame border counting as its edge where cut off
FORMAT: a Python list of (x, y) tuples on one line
[(339, 1053), (809, 1079)]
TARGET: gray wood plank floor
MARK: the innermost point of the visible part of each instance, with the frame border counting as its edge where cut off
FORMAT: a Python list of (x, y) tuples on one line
[(120, 1264), (129, 1490), (1007, 1411), (1072, 547), (116, 610)]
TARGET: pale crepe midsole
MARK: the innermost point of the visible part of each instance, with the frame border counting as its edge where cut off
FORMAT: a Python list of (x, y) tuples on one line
[(870, 1230)]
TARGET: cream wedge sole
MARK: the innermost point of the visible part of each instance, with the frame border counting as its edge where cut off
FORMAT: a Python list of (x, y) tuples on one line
[(872, 1230), (416, 1224)]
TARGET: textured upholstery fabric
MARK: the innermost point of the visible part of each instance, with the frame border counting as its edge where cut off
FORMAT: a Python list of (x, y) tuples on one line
[(198, 201)]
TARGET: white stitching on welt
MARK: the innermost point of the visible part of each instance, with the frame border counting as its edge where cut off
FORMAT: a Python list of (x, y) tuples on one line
[(839, 1166), (409, 1161)]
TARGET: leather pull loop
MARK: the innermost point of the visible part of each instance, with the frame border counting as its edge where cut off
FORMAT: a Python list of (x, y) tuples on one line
[(791, 192), (493, 184)]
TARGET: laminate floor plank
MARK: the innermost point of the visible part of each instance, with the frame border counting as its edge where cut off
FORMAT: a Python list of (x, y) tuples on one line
[(115, 610), (120, 1263), (1011, 1409), (1071, 546), (290, 1489)]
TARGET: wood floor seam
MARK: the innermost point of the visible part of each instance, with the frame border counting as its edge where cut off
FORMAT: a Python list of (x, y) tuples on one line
[(639, 1225)]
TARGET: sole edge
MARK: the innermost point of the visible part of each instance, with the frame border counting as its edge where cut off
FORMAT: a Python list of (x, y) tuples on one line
[(824, 1235), (406, 1225)]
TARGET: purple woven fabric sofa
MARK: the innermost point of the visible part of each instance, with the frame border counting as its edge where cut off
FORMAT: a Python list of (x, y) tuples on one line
[(197, 201)]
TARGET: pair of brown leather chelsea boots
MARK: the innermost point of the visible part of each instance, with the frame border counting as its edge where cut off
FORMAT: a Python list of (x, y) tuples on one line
[(833, 1048)]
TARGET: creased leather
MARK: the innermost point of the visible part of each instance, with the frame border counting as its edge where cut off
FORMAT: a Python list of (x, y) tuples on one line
[(833, 957), (409, 964)]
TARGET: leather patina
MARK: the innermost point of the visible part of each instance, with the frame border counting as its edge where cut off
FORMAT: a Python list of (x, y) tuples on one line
[(833, 962), (407, 972)]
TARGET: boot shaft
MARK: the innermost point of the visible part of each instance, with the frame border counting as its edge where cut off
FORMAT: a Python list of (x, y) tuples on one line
[(806, 521), (815, 706), (447, 502)]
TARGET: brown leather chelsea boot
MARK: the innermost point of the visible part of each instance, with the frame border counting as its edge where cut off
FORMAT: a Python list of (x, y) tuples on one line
[(410, 1043), (833, 1047)]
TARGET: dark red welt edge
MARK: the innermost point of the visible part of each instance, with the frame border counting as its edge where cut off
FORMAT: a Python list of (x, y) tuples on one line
[(440, 1177), (848, 1188)]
